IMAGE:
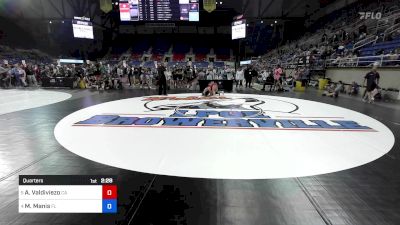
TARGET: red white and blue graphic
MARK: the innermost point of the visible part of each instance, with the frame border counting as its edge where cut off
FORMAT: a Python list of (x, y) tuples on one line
[(233, 136)]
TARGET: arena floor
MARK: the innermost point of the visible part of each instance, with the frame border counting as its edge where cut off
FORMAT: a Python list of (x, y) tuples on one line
[(368, 194)]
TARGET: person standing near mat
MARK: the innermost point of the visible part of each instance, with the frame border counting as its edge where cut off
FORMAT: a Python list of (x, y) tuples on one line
[(278, 78), (371, 80), (239, 76), (130, 75), (248, 75), (162, 80), (254, 75)]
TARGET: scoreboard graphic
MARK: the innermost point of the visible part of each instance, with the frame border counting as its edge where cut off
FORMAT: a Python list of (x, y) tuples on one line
[(82, 28), (160, 10), (67, 194)]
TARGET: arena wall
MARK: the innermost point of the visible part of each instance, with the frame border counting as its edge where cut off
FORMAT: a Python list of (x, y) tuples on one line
[(390, 77)]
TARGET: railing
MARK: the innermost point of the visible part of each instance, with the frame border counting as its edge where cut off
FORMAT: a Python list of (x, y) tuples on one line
[(368, 61), (376, 25), (391, 30), (392, 9), (392, 12), (366, 41), (389, 16), (316, 64), (361, 62), (387, 21)]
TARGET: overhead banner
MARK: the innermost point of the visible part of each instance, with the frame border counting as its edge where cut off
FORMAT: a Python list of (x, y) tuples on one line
[(209, 5), (106, 5)]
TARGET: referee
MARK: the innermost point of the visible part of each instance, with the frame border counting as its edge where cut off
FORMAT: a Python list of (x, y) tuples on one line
[(162, 80)]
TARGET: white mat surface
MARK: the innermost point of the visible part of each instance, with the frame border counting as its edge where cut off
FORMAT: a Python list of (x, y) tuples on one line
[(16, 100)]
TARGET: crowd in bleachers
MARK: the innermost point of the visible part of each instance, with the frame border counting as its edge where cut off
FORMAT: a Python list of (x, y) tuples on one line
[(102, 76), (333, 45), (12, 56), (20, 68), (335, 42)]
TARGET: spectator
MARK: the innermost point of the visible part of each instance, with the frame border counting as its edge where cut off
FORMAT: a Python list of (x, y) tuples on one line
[(278, 78), (333, 89), (30, 75), (168, 76), (324, 38), (239, 77), (393, 58), (5, 77), (353, 88), (146, 79), (20, 76), (268, 79)]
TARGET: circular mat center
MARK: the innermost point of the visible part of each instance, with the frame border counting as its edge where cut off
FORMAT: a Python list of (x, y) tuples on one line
[(234, 136)]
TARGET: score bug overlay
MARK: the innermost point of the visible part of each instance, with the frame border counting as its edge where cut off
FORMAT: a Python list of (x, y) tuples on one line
[(67, 194)]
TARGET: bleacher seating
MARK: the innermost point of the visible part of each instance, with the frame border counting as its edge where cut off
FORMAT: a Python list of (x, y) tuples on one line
[(14, 56), (385, 47), (180, 64), (356, 43), (200, 57), (157, 57), (219, 64), (161, 46), (136, 56), (149, 64), (223, 54), (181, 48), (111, 62), (201, 50), (201, 53), (201, 64), (140, 47), (178, 57), (179, 51), (135, 63), (118, 48)]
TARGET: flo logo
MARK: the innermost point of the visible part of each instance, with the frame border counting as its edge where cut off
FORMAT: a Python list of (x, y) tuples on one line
[(370, 15), (221, 112)]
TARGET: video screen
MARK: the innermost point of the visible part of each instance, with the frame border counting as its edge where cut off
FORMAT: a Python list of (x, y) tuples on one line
[(82, 29), (238, 29), (162, 10)]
